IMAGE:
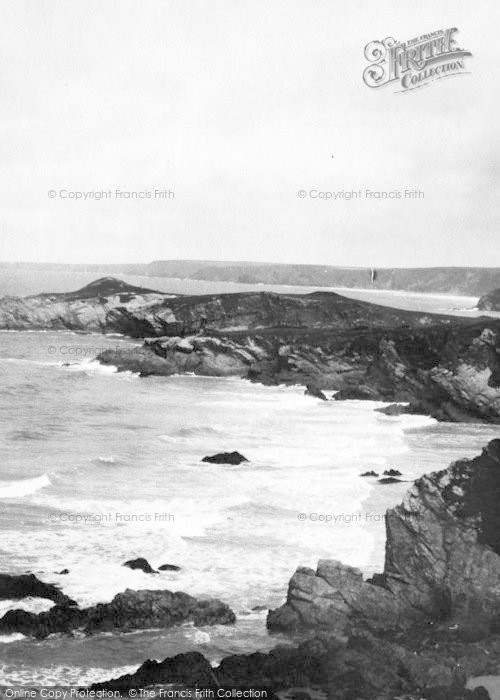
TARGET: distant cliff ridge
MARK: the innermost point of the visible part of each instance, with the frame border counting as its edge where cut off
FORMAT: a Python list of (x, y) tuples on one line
[(467, 281)]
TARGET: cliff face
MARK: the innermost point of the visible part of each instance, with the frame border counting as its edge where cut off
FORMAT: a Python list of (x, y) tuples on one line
[(490, 301), (419, 630), (442, 560), (107, 305)]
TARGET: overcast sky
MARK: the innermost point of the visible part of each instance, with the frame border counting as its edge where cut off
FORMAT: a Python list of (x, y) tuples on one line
[(235, 106)]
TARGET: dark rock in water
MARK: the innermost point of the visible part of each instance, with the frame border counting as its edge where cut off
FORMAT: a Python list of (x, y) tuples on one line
[(260, 608), (140, 563), (397, 409), (226, 458), (64, 571), (169, 567), (312, 390), (392, 472), (370, 473), (28, 585), (389, 480), (128, 611)]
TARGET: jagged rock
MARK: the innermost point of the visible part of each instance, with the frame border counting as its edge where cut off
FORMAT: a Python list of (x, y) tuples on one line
[(419, 630), (397, 409), (443, 366), (141, 564), (225, 458), (442, 559), (63, 572), (169, 567), (370, 473), (392, 472), (28, 585), (128, 611), (312, 390), (191, 669)]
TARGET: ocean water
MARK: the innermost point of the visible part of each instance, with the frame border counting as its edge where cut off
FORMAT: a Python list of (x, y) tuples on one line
[(97, 467)]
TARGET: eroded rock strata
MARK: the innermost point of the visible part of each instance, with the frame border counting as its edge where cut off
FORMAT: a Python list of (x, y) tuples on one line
[(420, 629)]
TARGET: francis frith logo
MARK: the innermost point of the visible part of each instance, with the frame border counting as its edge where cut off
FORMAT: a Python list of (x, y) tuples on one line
[(414, 63)]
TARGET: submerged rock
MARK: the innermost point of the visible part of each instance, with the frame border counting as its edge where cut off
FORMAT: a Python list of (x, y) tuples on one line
[(226, 458), (141, 564), (128, 611), (169, 567), (389, 480), (28, 585)]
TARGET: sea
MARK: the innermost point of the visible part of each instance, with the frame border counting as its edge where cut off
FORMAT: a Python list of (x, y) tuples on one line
[(99, 467)]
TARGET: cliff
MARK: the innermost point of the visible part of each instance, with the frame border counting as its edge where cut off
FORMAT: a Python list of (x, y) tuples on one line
[(468, 281), (104, 306), (420, 629), (490, 301)]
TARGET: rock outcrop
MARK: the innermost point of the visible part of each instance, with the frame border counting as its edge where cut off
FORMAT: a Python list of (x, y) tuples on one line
[(141, 564), (445, 366), (128, 611), (442, 560), (107, 305), (490, 301), (451, 372), (225, 458), (28, 585), (420, 629)]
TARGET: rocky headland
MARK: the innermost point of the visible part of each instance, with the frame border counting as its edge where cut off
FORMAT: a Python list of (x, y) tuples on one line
[(419, 630), (445, 366)]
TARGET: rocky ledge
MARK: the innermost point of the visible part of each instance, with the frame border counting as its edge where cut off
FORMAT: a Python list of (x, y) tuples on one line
[(128, 611), (419, 630)]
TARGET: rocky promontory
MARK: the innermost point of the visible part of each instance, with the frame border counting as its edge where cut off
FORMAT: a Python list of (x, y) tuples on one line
[(418, 630), (444, 366), (448, 371), (490, 301), (108, 305)]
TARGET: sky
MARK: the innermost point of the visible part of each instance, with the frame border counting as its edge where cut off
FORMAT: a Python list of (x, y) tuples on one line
[(231, 108)]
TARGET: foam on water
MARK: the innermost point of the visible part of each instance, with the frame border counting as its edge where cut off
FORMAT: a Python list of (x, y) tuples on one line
[(119, 453), (23, 487)]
